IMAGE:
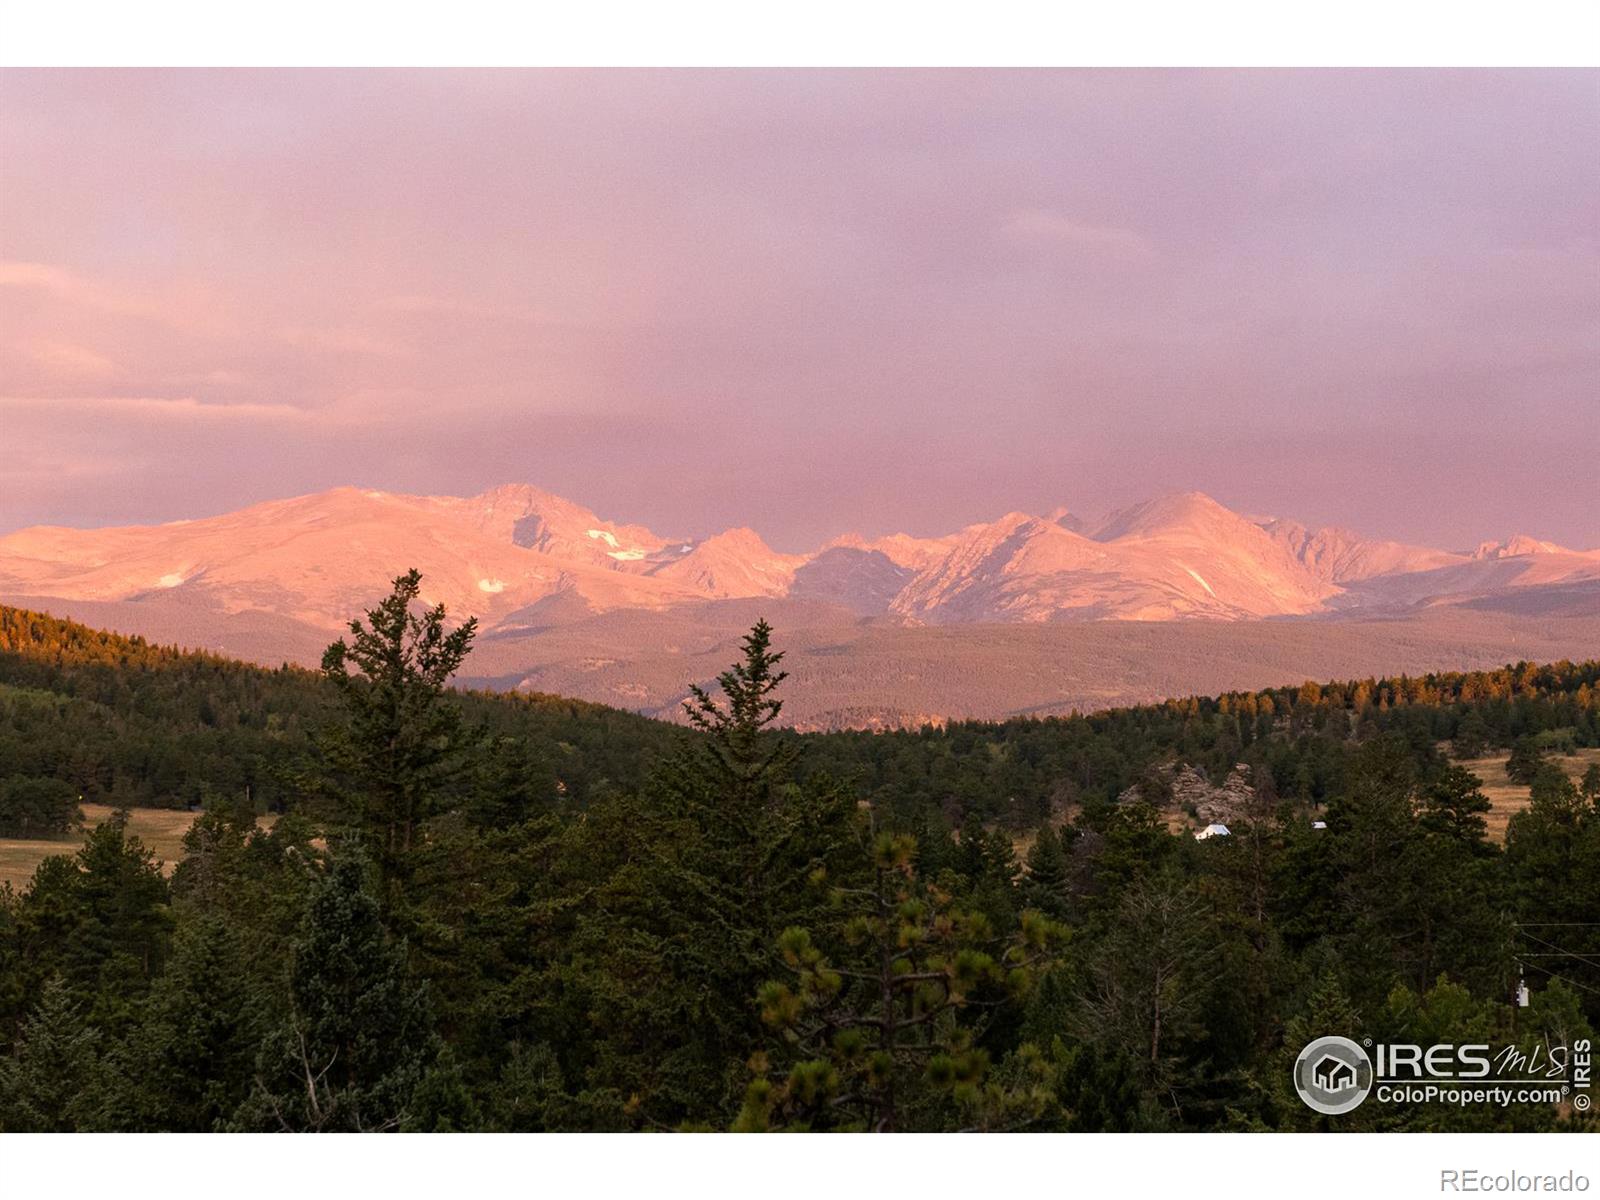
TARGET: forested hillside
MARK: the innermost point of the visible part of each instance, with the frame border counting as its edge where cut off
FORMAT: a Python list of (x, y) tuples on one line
[(1297, 740), (124, 722), (491, 912)]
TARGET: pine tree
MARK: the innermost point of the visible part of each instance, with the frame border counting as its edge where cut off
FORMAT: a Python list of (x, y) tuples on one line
[(1376, 810), (190, 1063), (1148, 984), (401, 743), (1553, 856), (115, 923), (13, 987), (1408, 874), (1525, 761), (1047, 886), (1590, 787), (33, 807), (1326, 1012), (1453, 805), (1448, 1014), (878, 1019), (741, 761), (510, 783), (1130, 841), (987, 862), (1552, 792), (1472, 736), (51, 1082), (719, 854), (357, 1044)]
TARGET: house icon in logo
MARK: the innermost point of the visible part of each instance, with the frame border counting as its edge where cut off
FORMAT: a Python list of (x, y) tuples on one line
[(1333, 1075)]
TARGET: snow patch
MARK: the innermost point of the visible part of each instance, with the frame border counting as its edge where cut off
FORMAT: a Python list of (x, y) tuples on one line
[(373, 495), (625, 555), (1195, 575), (170, 581), (608, 538), (493, 586)]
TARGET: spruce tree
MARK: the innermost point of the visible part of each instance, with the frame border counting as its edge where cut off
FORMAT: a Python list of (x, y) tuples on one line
[(1327, 1011), (1047, 886), (357, 1042), (1453, 805), (191, 1062), (1147, 985), (1472, 736), (1525, 761), (401, 743), (713, 860), (739, 761), (51, 1083), (108, 919)]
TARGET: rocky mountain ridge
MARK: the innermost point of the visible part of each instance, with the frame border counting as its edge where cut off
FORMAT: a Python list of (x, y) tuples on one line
[(524, 557)]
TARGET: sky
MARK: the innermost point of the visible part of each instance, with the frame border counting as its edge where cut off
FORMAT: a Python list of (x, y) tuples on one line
[(808, 302)]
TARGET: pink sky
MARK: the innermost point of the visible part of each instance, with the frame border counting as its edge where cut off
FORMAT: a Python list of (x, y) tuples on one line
[(809, 302)]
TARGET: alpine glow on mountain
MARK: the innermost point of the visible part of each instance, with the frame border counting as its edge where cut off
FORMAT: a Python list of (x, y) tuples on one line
[(517, 551)]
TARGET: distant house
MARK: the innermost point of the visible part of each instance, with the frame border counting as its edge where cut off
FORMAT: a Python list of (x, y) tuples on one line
[(1333, 1074), (1211, 831), (1319, 824)]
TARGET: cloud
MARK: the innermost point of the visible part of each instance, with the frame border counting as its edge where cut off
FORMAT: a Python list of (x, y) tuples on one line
[(344, 341), (73, 289), (178, 408), (27, 470), (447, 307), (1042, 225), (65, 358), (777, 282)]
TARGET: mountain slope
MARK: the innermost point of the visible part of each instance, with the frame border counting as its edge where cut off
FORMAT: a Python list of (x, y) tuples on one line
[(863, 581), (1241, 569), (539, 520), (731, 564), (1339, 556), (523, 558), (1020, 568), (317, 559)]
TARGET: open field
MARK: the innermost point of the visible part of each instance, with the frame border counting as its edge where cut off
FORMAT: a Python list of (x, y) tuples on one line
[(161, 829), (1509, 797)]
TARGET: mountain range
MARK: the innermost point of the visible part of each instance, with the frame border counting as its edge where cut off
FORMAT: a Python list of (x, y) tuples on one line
[(271, 581)]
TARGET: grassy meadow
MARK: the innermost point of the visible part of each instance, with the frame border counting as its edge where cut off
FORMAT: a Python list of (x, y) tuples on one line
[(161, 829), (1510, 797)]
